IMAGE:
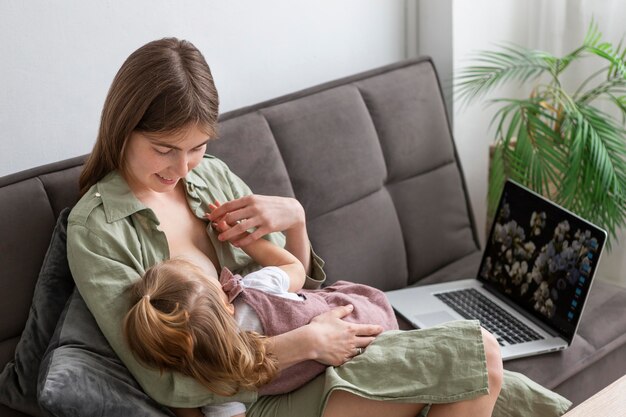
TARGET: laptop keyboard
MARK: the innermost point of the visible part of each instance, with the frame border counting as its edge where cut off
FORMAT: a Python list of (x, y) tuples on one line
[(471, 304)]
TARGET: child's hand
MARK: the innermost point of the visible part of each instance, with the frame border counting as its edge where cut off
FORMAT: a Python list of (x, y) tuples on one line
[(221, 226), (212, 206)]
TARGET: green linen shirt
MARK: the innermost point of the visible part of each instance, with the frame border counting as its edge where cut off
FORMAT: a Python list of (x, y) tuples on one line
[(113, 238)]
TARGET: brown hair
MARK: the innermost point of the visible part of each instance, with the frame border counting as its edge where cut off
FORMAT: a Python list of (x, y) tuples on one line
[(178, 322), (162, 87)]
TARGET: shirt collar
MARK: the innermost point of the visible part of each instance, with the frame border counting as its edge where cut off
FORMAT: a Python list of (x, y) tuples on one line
[(120, 202), (193, 180), (117, 198)]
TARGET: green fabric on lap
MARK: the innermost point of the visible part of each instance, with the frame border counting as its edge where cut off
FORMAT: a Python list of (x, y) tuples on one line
[(444, 363), (438, 365)]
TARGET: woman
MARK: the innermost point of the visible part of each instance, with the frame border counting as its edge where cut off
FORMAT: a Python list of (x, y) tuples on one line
[(145, 189)]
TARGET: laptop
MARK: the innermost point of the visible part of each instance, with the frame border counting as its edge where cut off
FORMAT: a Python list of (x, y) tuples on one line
[(530, 290)]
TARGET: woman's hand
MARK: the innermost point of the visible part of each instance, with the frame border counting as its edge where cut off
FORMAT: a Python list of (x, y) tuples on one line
[(336, 340), (327, 339), (265, 213)]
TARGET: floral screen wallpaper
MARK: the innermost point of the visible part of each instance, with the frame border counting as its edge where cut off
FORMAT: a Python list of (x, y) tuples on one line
[(541, 256)]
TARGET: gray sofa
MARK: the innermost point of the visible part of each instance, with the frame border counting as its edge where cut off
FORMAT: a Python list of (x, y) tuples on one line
[(372, 160)]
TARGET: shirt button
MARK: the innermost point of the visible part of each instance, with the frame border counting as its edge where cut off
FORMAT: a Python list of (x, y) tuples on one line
[(97, 194)]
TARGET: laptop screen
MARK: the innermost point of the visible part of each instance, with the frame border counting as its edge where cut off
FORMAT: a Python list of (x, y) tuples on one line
[(542, 257)]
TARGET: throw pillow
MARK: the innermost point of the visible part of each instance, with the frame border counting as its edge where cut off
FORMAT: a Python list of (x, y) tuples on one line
[(80, 374), (53, 288)]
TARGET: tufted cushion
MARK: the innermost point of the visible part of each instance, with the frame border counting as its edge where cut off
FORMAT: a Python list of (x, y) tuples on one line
[(362, 241), (307, 128), (246, 144)]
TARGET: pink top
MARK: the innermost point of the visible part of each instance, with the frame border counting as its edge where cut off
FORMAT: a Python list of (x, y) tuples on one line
[(279, 315)]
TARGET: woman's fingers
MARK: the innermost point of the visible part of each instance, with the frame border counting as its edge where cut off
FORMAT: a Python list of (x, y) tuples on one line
[(241, 218), (239, 215), (340, 340), (231, 225), (237, 231), (359, 330), (368, 329), (363, 342), (272, 212), (339, 312), (229, 207)]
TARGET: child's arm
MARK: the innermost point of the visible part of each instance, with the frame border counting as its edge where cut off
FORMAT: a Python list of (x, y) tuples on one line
[(265, 253)]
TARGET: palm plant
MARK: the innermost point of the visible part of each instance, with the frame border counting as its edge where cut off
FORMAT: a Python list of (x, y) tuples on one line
[(557, 142)]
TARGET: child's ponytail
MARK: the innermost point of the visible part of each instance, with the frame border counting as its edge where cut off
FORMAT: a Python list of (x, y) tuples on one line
[(158, 338), (179, 322)]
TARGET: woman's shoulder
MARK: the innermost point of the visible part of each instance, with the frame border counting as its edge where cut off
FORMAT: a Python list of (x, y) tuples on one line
[(210, 164), (211, 171), (85, 206), (104, 203)]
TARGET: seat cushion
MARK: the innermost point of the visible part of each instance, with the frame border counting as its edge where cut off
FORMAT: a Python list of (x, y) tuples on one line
[(463, 268)]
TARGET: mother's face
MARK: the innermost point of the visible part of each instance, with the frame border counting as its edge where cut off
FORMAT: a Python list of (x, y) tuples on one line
[(154, 163)]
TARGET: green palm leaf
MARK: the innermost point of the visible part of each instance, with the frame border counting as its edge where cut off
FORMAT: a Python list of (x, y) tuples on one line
[(556, 143), (510, 63)]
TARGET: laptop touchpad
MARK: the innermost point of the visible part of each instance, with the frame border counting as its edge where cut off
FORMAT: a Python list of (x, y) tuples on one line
[(434, 318)]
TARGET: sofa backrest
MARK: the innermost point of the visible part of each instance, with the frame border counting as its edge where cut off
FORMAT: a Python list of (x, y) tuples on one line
[(30, 202), (372, 160), (370, 157)]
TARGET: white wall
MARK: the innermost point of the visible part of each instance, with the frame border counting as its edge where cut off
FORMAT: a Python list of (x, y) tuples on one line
[(430, 33), (58, 58), (477, 25), (554, 25)]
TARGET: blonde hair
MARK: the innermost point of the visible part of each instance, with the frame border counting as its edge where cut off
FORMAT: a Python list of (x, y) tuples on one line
[(162, 87), (177, 322)]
